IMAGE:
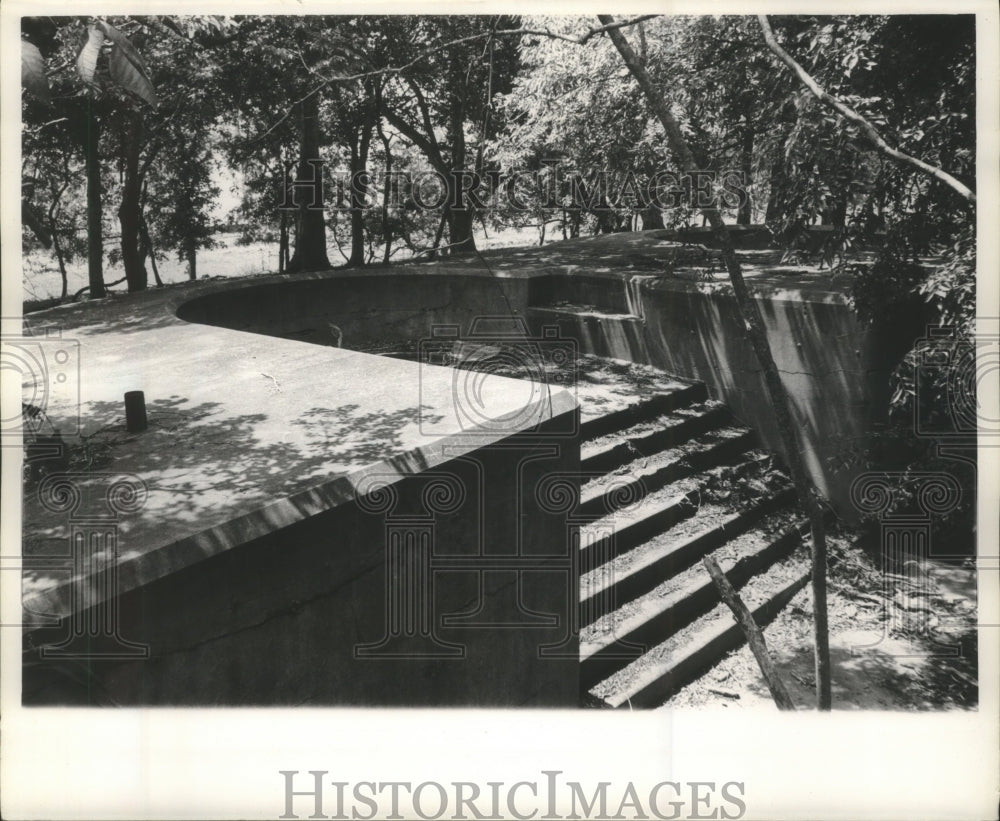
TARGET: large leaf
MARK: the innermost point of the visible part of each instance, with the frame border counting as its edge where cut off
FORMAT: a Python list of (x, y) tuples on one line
[(86, 60), (120, 40), (127, 66), (125, 73), (33, 71)]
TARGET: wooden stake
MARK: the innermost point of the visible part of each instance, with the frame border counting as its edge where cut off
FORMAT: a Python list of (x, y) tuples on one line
[(757, 337), (754, 637)]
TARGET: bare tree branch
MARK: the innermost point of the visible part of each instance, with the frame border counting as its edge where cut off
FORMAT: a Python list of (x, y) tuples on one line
[(755, 638), (853, 116), (757, 336)]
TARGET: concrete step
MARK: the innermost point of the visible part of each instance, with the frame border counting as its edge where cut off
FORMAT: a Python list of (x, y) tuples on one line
[(669, 479), (650, 436), (604, 293), (649, 620), (643, 409), (651, 680), (607, 493), (610, 536), (632, 573)]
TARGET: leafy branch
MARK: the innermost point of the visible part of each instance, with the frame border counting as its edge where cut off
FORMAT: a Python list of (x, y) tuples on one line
[(853, 116), (582, 39)]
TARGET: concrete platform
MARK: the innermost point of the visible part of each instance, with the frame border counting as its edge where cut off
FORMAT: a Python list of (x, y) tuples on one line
[(248, 521), (248, 433), (244, 515)]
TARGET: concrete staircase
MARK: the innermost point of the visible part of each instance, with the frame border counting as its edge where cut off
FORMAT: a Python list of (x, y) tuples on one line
[(666, 482)]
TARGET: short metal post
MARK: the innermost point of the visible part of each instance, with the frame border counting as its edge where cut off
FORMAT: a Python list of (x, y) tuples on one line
[(135, 411)]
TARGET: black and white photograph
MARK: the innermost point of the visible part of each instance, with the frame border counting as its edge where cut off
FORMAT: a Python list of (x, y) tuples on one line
[(626, 383)]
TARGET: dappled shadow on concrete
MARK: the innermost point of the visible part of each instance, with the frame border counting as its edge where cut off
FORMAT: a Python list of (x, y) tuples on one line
[(128, 314), (656, 252), (203, 467), (605, 253), (598, 384)]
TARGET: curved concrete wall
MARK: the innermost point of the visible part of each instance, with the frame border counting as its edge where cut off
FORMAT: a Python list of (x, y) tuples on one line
[(317, 525), (835, 370), (368, 309)]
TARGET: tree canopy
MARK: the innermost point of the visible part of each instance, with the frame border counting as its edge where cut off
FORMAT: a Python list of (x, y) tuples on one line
[(143, 118)]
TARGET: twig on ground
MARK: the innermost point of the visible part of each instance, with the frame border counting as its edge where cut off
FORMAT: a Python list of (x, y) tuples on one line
[(724, 693)]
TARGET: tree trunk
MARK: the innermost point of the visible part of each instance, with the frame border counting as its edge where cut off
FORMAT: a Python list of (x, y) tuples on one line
[(439, 233), (130, 210), (282, 241), (146, 242), (607, 222), (777, 178), (652, 218), (386, 192), (460, 220), (745, 214), (359, 191), (358, 188), (754, 636), (95, 234), (754, 324), (310, 234), (148, 248), (60, 260), (192, 260), (143, 246), (463, 240), (283, 229), (53, 219), (775, 183)]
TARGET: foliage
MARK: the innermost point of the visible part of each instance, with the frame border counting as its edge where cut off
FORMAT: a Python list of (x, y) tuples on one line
[(443, 93), (820, 168), (934, 378), (576, 106)]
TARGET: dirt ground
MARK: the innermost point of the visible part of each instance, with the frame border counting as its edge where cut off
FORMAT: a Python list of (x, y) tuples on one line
[(895, 643)]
